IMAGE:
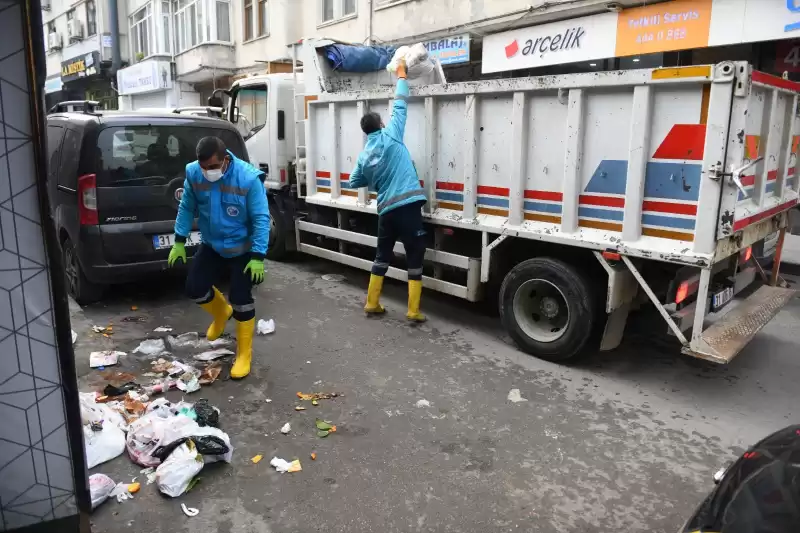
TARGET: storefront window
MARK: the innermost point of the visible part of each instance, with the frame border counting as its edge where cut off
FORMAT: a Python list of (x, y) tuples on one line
[(201, 21)]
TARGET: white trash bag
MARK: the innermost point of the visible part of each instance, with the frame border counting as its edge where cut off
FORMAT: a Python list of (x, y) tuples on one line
[(418, 61), (108, 442), (100, 488), (183, 464)]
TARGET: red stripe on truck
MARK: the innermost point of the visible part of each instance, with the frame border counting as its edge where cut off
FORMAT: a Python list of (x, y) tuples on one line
[(775, 81), (758, 217)]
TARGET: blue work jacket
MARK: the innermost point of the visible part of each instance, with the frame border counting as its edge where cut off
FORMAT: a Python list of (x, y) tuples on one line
[(385, 164), (232, 213)]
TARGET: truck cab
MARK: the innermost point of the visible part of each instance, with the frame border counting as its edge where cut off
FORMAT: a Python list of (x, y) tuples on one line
[(265, 102)]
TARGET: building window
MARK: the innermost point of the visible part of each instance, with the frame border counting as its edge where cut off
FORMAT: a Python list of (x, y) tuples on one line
[(331, 10), (91, 18), (70, 19), (255, 19), (166, 46), (141, 30), (263, 26), (51, 30), (248, 20), (201, 21)]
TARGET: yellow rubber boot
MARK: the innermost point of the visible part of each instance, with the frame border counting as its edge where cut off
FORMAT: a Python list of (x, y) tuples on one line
[(221, 311), (373, 306), (244, 348), (414, 296)]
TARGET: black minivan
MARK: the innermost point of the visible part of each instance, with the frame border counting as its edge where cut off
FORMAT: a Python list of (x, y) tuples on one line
[(115, 182)]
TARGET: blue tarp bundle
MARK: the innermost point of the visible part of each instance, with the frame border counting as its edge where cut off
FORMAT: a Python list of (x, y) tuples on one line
[(356, 58)]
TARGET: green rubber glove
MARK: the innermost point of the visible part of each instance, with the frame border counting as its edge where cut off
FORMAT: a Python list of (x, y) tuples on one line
[(178, 251), (256, 268)]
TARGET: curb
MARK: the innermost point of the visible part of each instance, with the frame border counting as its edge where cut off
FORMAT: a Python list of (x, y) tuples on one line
[(793, 269)]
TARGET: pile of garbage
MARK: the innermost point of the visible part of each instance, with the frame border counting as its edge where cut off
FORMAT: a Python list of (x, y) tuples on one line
[(172, 441), (372, 58)]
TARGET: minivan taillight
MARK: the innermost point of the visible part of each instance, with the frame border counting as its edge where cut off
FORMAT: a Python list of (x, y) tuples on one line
[(87, 200)]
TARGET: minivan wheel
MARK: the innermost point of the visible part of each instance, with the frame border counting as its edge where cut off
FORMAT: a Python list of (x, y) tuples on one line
[(548, 308), (277, 234), (81, 289)]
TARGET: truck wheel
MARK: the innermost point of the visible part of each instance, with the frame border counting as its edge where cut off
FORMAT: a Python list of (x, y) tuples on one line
[(548, 308), (81, 289), (277, 234)]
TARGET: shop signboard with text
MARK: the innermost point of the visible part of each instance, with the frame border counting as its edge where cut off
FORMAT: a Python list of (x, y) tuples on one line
[(144, 77), (749, 21), (80, 67), (567, 41), (666, 27), (451, 50)]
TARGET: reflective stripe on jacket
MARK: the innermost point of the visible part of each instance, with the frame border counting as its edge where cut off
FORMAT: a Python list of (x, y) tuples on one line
[(232, 213)]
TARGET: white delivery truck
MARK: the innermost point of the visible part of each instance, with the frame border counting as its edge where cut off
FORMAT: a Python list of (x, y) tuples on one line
[(568, 200)]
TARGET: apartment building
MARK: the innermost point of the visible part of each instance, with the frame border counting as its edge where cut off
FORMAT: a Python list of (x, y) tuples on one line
[(80, 51)]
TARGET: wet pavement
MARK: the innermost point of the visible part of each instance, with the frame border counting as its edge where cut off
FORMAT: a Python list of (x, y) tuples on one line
[(623, 441)]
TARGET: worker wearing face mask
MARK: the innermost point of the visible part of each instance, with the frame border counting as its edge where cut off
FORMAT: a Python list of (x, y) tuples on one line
[(233, 217)]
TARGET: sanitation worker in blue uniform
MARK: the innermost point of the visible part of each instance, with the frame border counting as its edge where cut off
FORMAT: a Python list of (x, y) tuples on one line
[(386, 166), (233, 216)]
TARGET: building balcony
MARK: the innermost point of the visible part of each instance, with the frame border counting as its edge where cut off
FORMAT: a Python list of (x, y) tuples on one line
[(205, 62)]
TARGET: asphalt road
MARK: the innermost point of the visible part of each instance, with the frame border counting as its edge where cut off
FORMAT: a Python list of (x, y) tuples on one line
[(624, 441)]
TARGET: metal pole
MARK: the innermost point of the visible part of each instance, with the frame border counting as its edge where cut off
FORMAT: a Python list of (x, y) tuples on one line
[(776, 263)]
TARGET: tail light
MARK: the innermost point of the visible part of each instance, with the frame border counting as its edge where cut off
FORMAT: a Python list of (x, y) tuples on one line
[(87, 200), (747, 253), (682, 292)]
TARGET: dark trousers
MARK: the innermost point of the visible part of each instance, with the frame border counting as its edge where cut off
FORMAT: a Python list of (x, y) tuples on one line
[(207, 268), (403, 224)]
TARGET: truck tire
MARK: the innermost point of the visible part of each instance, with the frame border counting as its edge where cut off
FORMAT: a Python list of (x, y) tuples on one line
[(79, 287), (277, 234), (548, 308)]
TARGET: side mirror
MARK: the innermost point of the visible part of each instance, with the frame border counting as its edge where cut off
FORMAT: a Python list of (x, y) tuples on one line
[(235, 115)]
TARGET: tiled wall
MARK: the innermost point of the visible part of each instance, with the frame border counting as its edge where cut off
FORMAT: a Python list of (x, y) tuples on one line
[(36, 476)]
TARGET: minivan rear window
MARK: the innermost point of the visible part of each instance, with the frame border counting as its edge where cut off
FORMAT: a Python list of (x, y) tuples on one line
[(152, 155)]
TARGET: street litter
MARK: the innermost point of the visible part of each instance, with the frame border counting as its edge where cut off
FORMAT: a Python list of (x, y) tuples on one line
[(162, 329), (333, 277), (265, 327), (317, 396), (189, 383), (138, 318), (514, 396), (176, 472), (133, 488), (268, 400), (324, 428), (74, 336), (134, 308), (313, 456), (299, 408), (210, 374), (150, 474), (287, 427), (119, 390), (213, 354), (121, 492), (423, 403), (106, 358), (151, 347), (189, 511), (100, 488), (176, 367), (207, 415), (283, 466), (99, 329), (257, 459), (103, 433), (193, 340)]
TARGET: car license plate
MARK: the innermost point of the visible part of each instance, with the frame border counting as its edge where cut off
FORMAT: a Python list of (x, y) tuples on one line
[(721, 298), (167, 241)]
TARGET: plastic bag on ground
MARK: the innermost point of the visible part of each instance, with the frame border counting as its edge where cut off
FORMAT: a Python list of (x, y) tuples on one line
[(265, 327), (418, 61), (174, 475), (151, 347), (193, 340), (151, 432), (103, 445), (100, 488)]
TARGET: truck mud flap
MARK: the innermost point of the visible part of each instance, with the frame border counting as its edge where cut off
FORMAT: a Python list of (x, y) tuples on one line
[(723, 340)]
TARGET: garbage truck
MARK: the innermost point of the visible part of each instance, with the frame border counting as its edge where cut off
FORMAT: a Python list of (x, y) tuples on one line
[(567, 201), (43, 480)]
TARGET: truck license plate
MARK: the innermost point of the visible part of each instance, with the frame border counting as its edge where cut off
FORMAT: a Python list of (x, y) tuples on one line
[(166, 241), (721, 298)]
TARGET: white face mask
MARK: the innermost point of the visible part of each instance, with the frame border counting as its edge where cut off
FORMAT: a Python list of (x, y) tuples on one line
[(213, 175)]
